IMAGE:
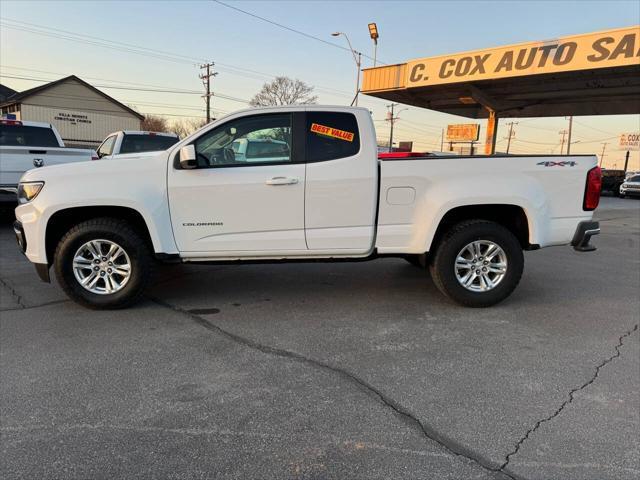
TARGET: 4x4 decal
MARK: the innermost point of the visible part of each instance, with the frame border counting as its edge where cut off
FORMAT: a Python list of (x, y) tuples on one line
[(563, 163)]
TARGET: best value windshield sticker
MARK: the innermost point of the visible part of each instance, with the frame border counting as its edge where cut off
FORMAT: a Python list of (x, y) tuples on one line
[(332, 132)]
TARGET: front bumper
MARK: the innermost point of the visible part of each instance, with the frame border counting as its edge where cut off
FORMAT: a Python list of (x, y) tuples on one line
[(42, 269), (584, 232), (630, 191), (20, 236)]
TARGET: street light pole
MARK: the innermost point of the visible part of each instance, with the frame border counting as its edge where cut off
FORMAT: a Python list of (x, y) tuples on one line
[(373, 33), (357, 57), (358, 63)]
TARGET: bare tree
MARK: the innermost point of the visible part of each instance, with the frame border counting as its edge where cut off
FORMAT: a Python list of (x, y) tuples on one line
[(284, 91), (184, 128), (153, 123)]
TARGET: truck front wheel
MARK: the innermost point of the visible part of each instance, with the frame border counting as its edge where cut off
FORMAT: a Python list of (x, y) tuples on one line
[(477, 263), (103, 263)]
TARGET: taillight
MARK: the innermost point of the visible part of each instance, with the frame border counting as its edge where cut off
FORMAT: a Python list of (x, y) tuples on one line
[(592, 189), (17, 123)]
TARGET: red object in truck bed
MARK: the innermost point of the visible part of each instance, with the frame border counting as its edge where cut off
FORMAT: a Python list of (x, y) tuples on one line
[(383, 156)]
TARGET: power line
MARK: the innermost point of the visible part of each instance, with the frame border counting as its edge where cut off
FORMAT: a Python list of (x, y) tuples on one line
[(117, 87), (11, 67), (145, 51), (285, 27), (594, 128)]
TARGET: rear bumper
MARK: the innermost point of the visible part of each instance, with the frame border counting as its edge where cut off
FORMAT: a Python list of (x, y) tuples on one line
[(584, 232)]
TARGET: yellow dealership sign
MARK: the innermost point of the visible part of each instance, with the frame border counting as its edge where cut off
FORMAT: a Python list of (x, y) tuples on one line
[(463, 132), (612, 48)]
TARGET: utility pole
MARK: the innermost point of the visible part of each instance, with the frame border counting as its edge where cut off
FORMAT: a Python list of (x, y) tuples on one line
[(392, 119), (511, 134), (604, 145), (563, 133), (442, 141), (626, 161), (206, 81), (569, 139)]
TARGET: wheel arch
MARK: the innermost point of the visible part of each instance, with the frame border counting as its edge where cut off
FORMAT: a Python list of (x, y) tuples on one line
[(61, 221), (513, 217)]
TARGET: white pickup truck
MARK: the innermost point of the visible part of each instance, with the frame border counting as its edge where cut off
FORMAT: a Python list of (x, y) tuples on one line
[(134, 141), (325, 196), (25, 145)]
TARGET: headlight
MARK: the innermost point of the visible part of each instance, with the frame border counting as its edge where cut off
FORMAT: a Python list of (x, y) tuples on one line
[(29, 191)]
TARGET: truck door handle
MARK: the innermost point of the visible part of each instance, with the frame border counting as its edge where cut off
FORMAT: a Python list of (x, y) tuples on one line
[(282, 181)]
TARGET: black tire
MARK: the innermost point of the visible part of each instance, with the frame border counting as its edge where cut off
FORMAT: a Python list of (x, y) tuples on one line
[(125, 236), (453, 241)]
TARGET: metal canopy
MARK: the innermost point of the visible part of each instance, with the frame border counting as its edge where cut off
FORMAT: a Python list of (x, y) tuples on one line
[(607, 91), (590, 74)]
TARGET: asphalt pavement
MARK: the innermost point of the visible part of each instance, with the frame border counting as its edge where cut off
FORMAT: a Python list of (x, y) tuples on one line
[(323, 371)]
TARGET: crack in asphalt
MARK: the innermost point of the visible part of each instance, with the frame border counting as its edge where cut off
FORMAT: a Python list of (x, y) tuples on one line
[(570, 397), (31, 307), (13, 293), (426, 431)]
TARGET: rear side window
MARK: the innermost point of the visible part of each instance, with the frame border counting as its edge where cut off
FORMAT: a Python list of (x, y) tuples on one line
[(331, 135), (146, 143), (22, 136)]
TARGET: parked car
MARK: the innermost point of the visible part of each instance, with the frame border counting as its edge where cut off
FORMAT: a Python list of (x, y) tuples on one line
[(612, 180), (25, 145), (129, 141), (101, 224), (630, 187)]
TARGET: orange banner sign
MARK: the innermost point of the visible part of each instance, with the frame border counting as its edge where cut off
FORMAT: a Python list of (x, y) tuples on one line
[(332, 132)]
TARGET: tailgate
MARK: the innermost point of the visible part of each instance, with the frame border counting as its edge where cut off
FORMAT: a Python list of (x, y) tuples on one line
[(14, 161)]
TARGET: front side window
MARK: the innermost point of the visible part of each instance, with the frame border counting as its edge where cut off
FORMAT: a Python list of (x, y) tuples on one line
[(136, 143), (331, 135), (259, 139), (23, 136), (107, 146)]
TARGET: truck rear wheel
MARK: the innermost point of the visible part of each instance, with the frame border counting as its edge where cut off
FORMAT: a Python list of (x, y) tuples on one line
[(103, 263), (477, 263)]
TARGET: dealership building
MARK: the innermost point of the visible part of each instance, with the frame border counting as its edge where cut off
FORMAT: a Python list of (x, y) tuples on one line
[(82, 114)]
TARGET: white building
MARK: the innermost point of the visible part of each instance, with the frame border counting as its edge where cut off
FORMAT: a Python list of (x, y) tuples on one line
[(83, 115)]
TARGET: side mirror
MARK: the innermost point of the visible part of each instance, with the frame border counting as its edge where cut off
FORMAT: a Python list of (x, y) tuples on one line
[(188, 157)]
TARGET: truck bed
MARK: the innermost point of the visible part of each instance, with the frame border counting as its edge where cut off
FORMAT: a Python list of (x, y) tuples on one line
[(416, 192)]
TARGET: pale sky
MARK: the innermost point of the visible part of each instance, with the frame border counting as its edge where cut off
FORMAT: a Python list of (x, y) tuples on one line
[(39, 43)]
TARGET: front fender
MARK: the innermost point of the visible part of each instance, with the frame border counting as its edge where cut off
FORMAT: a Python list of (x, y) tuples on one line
[(138, 184)]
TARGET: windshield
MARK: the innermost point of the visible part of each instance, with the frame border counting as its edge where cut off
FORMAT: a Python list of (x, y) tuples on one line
[(635, 178), (133, 143), (22, 136)]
